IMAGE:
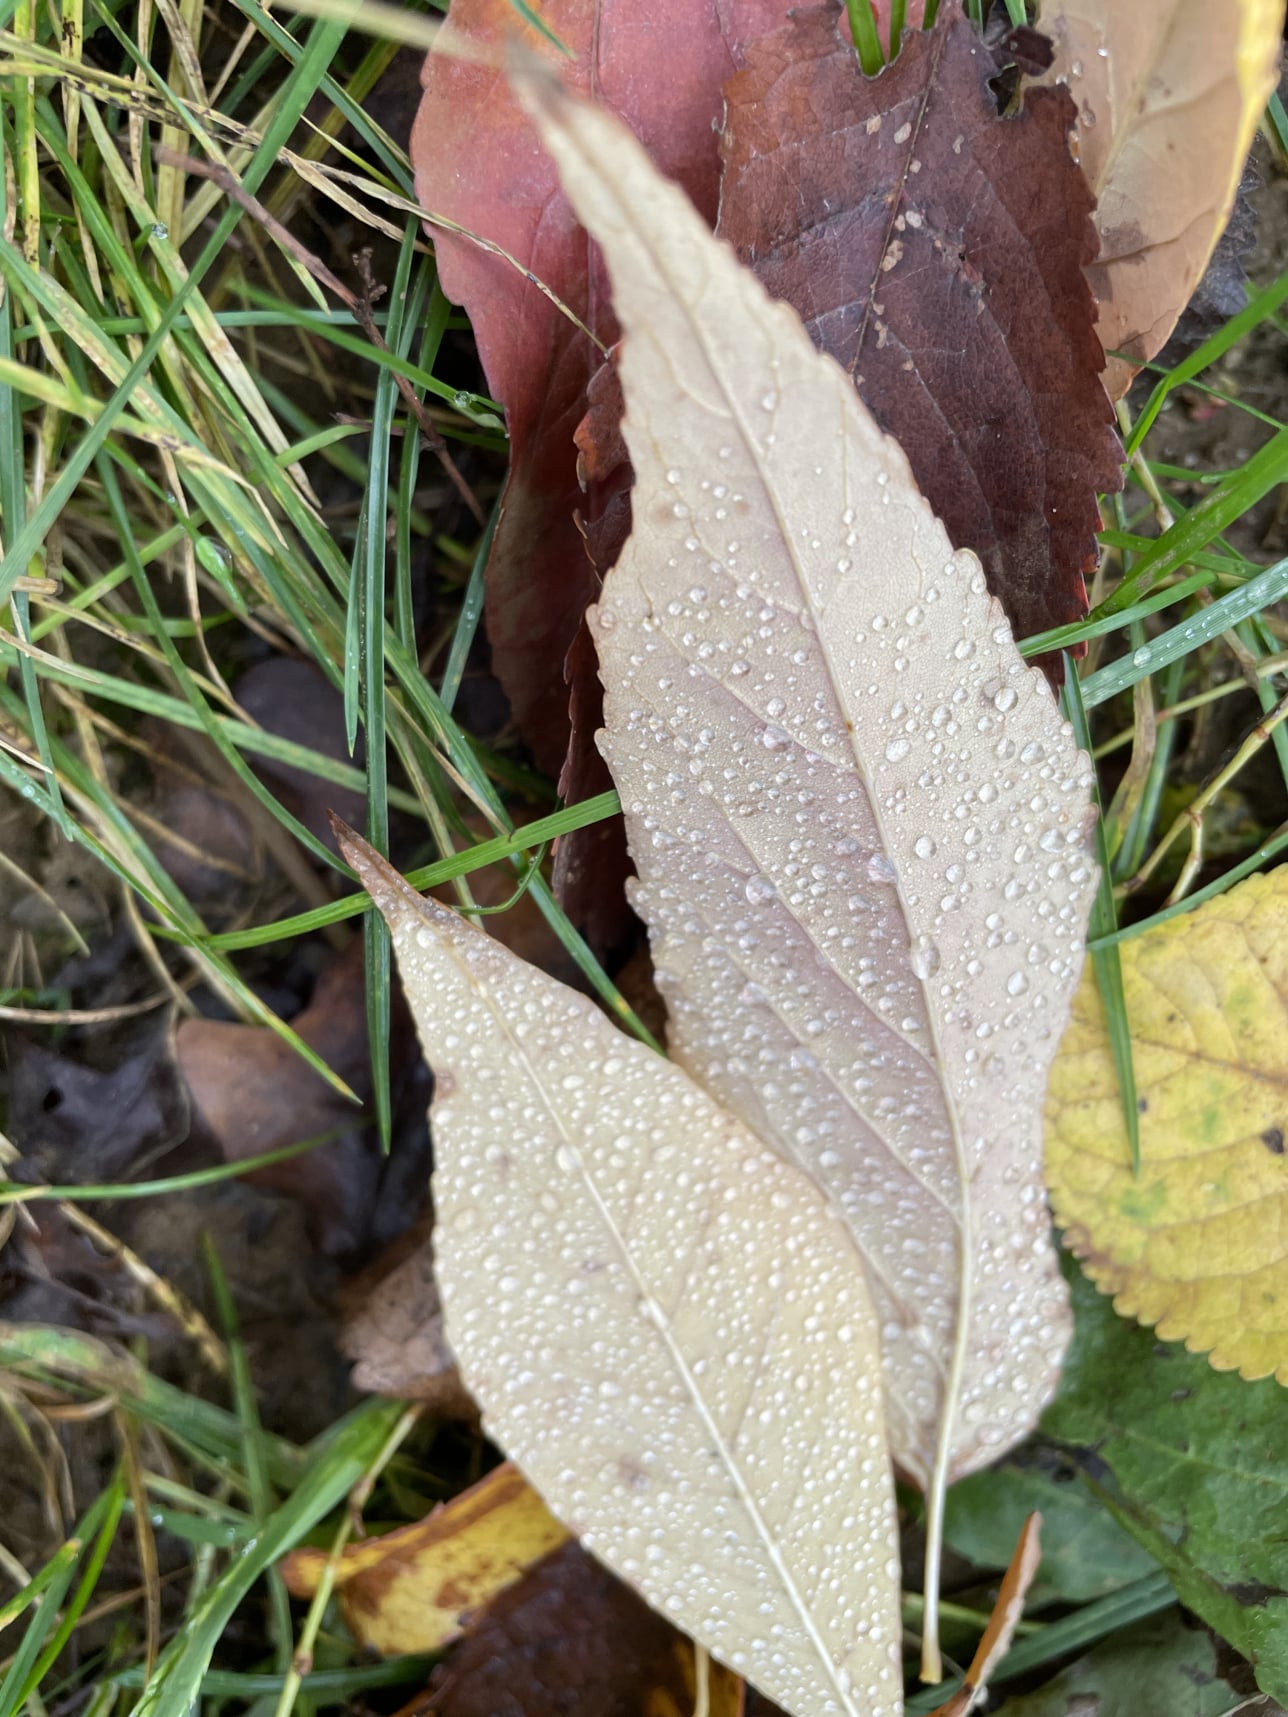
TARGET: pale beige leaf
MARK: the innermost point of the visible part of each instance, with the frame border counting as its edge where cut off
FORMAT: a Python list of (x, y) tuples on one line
[(1169, 93), (859, 820), (662, 1323)]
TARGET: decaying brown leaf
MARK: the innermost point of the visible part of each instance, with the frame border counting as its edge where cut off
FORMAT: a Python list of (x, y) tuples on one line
[(577, 1643), (662, 1323), (252, 1093), (1169, 94), (418, 1588), (393, 1330), (937, 252)]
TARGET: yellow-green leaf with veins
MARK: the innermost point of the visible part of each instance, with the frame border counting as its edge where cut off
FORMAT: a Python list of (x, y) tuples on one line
[(1198, 1243)]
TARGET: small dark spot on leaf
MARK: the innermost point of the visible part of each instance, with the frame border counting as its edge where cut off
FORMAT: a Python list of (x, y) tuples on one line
[(1142, 1104), (1273, 1140)]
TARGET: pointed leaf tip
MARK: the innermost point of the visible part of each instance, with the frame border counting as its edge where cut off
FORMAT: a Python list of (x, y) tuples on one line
[(662, 1323)]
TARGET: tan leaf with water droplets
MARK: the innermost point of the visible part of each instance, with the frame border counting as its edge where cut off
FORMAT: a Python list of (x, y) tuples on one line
[(859, 820), (662, 1323), (1169, 93)]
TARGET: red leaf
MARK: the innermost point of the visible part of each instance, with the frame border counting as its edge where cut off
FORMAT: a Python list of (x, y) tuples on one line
[(659, 64), (936, 250)]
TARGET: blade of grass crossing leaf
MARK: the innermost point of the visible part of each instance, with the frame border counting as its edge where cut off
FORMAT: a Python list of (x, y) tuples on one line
[(334, 1469), (867, 38), (323, 40), (258, 1486), (1082, 631), (467, 623), (526, 839), (1104, 921), (1277, 125), (1250, 598), (23, 1192)]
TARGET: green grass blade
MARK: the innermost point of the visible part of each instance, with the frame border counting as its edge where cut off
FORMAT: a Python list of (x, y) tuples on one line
[(1105, 958), (177, 1680), (1220, 616)]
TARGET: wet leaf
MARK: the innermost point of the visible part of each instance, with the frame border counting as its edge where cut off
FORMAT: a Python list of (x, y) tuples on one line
[(479, 164), (1197, 1464), (569, 1640), (1193, 1244), (937, 252), (1085, 1555), (858, 818), (662, 1323), (417, 1589), (1159, 1668), (1169, 94)]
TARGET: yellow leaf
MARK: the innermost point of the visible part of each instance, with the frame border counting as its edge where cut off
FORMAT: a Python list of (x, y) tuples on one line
[(1169, 94), (417, 1589), (1197, 1244)]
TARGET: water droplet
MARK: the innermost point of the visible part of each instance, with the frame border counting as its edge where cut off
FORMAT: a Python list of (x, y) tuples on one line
[(924, 847), (924, 958), (759, 889), (897, 749)]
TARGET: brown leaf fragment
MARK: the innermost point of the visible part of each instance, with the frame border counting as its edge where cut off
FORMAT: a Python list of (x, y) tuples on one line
[(570, 1640), (394, 1330), (999, 1633), (478, 163), (1169, 94), (936, 251), (418, 1588), (252, 1093)]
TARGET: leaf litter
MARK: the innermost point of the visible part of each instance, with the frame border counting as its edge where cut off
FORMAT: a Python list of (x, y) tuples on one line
[(1245, 1614), (971, 1304)]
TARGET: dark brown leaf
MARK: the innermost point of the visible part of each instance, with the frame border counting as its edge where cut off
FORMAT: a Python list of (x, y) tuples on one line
[(936, 251), (570, 1640)]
